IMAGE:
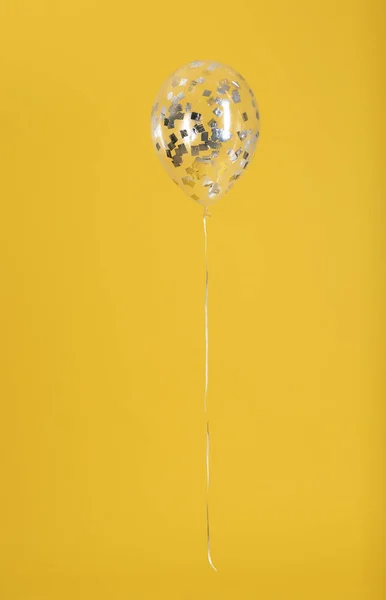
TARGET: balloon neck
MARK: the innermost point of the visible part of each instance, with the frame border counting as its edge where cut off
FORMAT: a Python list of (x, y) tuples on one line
[(206, 213)]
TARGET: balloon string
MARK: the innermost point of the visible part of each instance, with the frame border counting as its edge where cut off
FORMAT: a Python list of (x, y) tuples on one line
[(206, 215)]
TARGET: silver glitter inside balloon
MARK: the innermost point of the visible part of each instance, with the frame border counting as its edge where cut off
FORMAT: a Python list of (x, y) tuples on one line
[(198, 124)]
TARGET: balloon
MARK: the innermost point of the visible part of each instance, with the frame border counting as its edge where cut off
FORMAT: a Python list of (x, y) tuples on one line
[(205, 126)]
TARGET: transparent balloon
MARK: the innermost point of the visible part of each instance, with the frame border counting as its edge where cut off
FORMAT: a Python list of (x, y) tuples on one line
[(205, 126)]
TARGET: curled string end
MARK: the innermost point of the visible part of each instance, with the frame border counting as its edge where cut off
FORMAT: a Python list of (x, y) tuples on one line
[(211, 564)]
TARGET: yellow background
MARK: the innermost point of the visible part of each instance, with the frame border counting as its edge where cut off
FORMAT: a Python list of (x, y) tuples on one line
[(102, 280)]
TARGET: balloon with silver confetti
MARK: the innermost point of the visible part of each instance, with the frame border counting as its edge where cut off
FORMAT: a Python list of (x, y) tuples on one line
[(205, 126)]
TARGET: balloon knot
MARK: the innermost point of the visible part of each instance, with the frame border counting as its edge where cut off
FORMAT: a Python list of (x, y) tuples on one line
[(206, 213)]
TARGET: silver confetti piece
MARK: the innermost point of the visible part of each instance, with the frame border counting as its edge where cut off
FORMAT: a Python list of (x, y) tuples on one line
[(208, 182), (214, 190), (187, 181), (236, 96), (223, 87), (232, 155)]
